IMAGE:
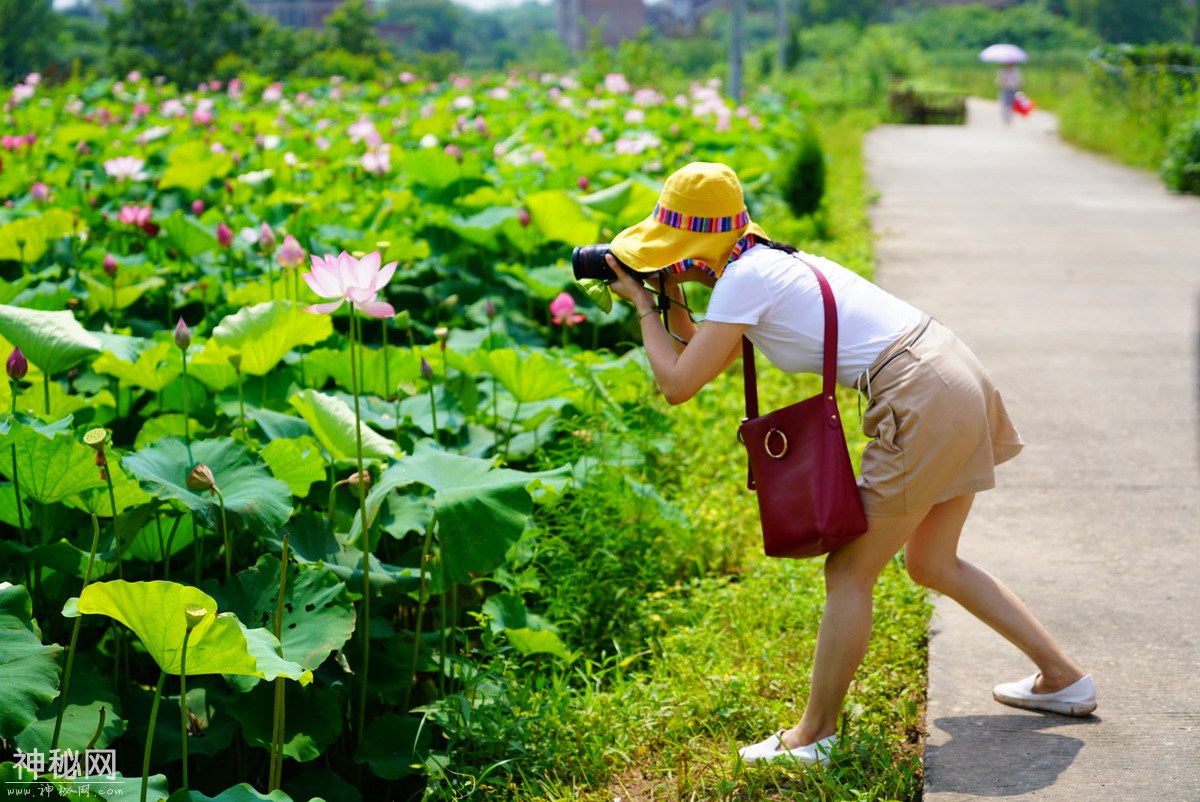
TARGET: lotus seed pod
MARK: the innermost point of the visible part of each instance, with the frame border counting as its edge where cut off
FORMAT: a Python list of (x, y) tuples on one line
[(361, 480), (96, 438), (201, 479), (194, 614)]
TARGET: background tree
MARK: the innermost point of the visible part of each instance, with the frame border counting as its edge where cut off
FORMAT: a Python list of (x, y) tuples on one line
[(351, 27), (27, 33), (181, 39), (1136, 21)]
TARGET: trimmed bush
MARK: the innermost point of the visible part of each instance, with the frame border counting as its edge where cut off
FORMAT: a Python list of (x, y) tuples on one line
[(1181, 168)]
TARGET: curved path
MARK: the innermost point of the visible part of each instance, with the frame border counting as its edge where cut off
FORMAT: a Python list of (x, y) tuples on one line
[(1077, 282)]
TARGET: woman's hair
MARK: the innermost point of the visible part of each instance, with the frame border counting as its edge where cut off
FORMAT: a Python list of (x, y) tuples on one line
[(779, 246)]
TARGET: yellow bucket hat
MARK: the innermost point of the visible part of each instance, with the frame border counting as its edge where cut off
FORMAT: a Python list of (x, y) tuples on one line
[(700, 220)]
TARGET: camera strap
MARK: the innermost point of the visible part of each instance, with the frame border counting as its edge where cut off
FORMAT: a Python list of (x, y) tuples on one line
[(664, 307)]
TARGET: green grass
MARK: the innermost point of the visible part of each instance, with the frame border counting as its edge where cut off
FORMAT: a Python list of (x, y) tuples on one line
[(722, 656)]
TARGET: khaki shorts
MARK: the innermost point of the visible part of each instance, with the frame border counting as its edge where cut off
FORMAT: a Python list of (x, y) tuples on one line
[(938, 423)]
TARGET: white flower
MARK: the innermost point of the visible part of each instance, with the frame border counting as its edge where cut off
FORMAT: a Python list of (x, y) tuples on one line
[(125, 168), (635, 117), (153, 134), (615, 84), (172, 107), (463, 102), (429, 141), (255, 178), (360, 130)]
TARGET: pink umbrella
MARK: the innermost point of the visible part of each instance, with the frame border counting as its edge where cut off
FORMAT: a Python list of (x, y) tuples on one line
[(1003, 54)]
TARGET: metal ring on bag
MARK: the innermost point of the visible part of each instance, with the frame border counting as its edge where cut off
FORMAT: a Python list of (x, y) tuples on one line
[(767, 444)]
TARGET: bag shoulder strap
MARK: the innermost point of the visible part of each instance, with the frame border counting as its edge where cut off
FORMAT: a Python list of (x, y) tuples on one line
[(829, 363)]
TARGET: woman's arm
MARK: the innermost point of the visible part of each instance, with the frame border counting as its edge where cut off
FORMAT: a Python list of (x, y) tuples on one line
[(711, 348)]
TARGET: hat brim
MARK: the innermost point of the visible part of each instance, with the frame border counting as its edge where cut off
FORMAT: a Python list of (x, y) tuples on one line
[(650, 245)]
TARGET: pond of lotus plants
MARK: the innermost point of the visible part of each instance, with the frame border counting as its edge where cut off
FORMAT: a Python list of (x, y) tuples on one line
[(287, 370)]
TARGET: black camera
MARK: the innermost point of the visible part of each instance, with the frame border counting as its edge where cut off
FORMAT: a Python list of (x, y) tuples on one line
[(588, 262)]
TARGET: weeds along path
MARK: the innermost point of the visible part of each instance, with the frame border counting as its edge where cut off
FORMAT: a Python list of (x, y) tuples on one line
[(1077, 283), (731, 653)]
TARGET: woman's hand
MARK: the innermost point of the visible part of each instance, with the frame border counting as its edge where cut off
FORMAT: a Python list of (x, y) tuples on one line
[(629, 288)]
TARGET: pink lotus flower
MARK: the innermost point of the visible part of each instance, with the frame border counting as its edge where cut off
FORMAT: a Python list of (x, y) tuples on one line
[(345, 278), (266, 239), (125, 168), (135, 215), (40, 192), (562, 311), (291, 254), (224, 235)]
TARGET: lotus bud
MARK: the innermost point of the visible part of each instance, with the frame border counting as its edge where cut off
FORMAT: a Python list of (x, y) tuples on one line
[(110, 265), (201, 479), (442, 333), (197, 207), (489, 309), (194, 614), (426, 369), (403, 319), (96, 438), (452, 150), (584, 183), (183, 335), (359, 480), (524, 218), (17, 365), (224, 235), (290, 253), (266, 239)]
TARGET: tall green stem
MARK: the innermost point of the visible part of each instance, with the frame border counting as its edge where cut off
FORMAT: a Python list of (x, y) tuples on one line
[(277, 729), (187, 431), (162, 680), (412, 676), (225, 536), (46, 390), (366, 537), (183, 705), (66, 686)]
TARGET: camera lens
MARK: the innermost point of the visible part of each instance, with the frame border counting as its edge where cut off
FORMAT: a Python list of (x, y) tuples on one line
[(588, 262)]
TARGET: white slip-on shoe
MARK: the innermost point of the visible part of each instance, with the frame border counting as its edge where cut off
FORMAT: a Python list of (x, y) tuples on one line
[(817, 753), (754, 752), (1077, 699)]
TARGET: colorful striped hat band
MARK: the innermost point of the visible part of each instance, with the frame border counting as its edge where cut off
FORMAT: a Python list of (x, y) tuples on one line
[(700, 225)]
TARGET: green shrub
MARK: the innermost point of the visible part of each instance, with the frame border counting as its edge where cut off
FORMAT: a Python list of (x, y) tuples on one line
[(1181, 168), (803, 181)]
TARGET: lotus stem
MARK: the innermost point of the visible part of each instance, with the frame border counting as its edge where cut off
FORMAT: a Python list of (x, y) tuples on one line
[(112, 502), (366, 538), (225, 535), (241, 407), (183, 704), (17, 490), (162, 680), (433, 410), (45, 390), (277, 730), (420, 611), (387, 370), (187, 430), (66, 686), (99, 729)]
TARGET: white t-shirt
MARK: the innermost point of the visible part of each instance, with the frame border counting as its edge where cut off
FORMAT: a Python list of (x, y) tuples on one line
[(778, 297)]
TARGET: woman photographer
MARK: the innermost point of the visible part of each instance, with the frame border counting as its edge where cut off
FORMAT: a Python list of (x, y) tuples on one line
[(938, 423)]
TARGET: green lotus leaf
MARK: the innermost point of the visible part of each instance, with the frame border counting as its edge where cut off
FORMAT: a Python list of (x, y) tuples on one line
[(561, 218), (481, 510), (27, 240), (394, 746), (50, 468), (322, 784), (402, 366), (481, 229), (8, 503), (126, 492), (332, 421), (527, 376), (318, 615), (54, 341), (188, 235), (21, 784), (100, 291), (598, 291), (192, 165), (296, 462), (312, 723), (91, 691), (252, 495), (148, 371), (208, 699), (9, 290), (168, 425), (155, 612), (29, 670), (536, 641), (238, 793), (263, 334)]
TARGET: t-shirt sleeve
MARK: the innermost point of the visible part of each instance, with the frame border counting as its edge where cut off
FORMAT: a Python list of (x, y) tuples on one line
[(740, 296)]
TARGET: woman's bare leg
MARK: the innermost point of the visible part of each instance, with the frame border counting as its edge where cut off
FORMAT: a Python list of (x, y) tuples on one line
[(850, 574), (932, 559)]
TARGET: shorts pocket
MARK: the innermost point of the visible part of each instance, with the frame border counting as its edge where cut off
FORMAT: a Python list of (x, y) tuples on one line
[(880, 424)]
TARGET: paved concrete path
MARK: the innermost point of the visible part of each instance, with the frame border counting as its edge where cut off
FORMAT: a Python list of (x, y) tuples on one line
[(1077, 282)]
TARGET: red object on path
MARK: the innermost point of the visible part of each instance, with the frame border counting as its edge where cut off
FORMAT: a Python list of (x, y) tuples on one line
[(1022, 104)]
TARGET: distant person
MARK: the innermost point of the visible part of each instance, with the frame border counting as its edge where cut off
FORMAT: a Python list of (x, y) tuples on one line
[(1009, 81)]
